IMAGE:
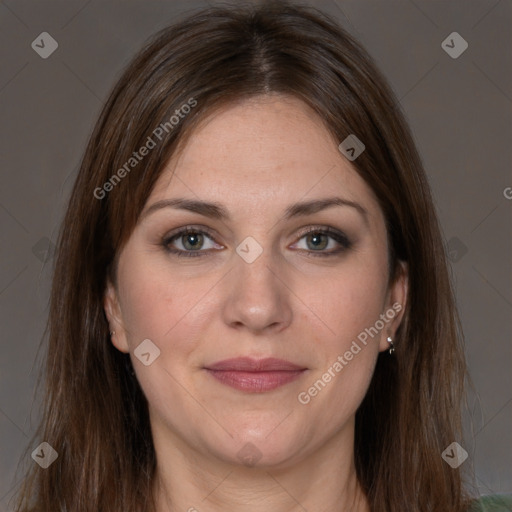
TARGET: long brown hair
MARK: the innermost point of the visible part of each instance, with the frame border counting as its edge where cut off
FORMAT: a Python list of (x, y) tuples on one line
[(94, 412)]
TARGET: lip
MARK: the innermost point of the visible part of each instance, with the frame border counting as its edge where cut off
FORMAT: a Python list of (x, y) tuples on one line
[(255, 375), (248, 364)]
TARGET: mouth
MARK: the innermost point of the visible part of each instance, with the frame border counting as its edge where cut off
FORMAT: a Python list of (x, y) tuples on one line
[(255, 375)]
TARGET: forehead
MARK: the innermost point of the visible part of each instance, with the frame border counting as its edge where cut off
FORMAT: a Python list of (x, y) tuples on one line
[(259, 154)]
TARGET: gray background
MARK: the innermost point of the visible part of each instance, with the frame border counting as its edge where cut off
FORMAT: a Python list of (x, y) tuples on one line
[(459, 110)]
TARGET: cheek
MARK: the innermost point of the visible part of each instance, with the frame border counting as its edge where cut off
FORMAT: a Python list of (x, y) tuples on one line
[(167, 309), (350, 307), (147, 304), (351, 300), (160, 305)]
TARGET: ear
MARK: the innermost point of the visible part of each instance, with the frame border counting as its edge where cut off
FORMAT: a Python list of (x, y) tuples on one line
[(394, 308), (115, 319)]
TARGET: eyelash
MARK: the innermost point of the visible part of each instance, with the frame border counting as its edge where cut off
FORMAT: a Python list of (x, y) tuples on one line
[(336, 235)]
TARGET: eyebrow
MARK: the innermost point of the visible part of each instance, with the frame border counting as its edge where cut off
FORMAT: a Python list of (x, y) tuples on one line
[(217, 211)]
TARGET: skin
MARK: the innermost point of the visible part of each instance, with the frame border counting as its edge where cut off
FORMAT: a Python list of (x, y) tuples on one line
[(256, 158)]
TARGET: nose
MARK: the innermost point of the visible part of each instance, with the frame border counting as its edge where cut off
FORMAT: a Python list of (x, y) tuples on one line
[(257, 297)]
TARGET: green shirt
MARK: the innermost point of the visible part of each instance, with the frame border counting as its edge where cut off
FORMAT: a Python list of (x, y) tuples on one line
[(493, 503)]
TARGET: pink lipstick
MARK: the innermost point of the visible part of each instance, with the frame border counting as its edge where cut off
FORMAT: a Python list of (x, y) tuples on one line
[(255, 375)]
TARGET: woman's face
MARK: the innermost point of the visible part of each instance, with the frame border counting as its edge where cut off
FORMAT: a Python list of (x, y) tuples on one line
[(253, 284)]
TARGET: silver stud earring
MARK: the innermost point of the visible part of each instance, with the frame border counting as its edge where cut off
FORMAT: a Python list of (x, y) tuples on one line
[(112, 333), (392, 347)]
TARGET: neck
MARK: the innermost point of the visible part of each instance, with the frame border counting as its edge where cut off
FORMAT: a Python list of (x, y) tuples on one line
[(192, 481)]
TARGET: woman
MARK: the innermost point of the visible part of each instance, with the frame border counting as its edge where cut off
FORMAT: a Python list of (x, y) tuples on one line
[(251, 307)]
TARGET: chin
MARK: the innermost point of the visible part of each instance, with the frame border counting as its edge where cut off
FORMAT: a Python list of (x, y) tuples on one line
[(254, 450)]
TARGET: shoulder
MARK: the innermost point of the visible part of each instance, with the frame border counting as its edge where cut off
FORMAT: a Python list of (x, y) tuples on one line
[(492, 503)]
